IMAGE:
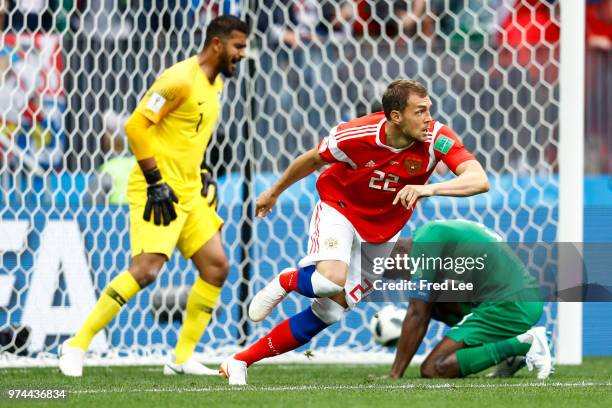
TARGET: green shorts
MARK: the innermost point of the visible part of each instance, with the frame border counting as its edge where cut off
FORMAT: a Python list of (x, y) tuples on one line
[(491, 322)]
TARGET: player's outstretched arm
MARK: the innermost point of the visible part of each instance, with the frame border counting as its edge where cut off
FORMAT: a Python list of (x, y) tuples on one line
[(471, 180), (301, 167), (413, 330)]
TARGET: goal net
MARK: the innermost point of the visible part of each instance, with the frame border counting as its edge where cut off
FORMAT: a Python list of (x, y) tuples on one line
[(71, 76)]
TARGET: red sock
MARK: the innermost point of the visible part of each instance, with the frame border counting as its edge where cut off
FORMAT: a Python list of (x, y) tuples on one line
[(289, 280), (280, 340)]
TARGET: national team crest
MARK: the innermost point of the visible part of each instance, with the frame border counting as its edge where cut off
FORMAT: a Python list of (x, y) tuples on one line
[(331, 243), (413, 166)]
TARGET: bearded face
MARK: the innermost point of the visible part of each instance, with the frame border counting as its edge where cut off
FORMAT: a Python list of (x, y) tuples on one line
[(234, 50)]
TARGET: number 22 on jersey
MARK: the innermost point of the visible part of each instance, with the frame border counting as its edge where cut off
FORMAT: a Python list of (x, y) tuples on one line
[(381, 180)]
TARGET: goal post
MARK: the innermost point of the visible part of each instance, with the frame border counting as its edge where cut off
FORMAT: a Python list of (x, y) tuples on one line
[(568, 340), (512, 100)]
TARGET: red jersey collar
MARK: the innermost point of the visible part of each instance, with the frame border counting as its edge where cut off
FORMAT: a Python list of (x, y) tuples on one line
[(381, 137)]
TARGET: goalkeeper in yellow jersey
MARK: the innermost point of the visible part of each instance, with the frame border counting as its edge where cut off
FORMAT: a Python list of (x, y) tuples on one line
[(170, 195)]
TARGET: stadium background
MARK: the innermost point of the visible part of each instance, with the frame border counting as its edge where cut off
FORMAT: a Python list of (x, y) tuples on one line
[(52, 151)]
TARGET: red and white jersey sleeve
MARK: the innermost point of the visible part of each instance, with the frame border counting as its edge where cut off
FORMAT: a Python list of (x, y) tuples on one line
[(345, 142), (445, 146)]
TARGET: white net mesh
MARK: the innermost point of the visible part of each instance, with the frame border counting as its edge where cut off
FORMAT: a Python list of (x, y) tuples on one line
[(71, 75)]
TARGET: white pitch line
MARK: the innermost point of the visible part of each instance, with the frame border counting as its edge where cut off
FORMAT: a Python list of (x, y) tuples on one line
[(351, 387)]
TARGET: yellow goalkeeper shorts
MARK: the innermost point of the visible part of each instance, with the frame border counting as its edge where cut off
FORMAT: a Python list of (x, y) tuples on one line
[(196, 223)]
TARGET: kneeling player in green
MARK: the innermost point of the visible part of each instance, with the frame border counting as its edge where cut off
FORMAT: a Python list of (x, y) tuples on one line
[(494, 324)]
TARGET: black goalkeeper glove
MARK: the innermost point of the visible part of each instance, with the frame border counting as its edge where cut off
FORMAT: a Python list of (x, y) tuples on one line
[(160, 198), (209, 186)]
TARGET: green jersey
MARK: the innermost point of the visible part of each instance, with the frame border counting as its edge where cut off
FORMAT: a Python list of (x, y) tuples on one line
[(467, 252)]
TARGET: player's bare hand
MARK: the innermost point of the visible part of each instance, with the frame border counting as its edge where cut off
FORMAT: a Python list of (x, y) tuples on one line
[(265, 202), (409, 195)]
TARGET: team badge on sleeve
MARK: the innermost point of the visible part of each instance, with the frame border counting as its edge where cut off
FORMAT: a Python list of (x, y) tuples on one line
[(155, 102), (443, 144)]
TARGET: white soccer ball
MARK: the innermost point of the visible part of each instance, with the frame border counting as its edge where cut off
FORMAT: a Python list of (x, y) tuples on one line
[(386, 325)]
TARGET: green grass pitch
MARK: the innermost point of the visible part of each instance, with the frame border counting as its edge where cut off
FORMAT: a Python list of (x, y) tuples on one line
[(316, 385)]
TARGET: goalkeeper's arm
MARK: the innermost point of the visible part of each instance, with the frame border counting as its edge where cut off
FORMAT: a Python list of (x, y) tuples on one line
[(160, 197), (136, 130)]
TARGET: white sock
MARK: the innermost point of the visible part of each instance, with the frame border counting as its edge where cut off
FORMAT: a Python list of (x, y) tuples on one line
[(323, 287), (525, 338)]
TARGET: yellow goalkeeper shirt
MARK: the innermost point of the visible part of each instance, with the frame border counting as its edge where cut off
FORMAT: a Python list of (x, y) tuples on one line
[(184, 107)]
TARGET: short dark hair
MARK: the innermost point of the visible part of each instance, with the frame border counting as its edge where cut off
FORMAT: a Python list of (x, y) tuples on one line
[(397, 94), (223, 26)]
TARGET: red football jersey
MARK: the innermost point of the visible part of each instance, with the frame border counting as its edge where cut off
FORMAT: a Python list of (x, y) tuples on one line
[(366, 173)]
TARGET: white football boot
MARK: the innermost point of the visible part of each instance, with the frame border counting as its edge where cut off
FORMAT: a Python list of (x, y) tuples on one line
[(71, 360), (266, 299), (235, 371), (508, 367), (189, 367), (539, 356)]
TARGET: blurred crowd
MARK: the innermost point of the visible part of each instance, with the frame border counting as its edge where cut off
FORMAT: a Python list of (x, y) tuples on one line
[(491, 67)]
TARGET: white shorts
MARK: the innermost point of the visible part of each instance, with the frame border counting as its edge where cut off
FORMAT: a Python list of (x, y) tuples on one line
[(333, 237)]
